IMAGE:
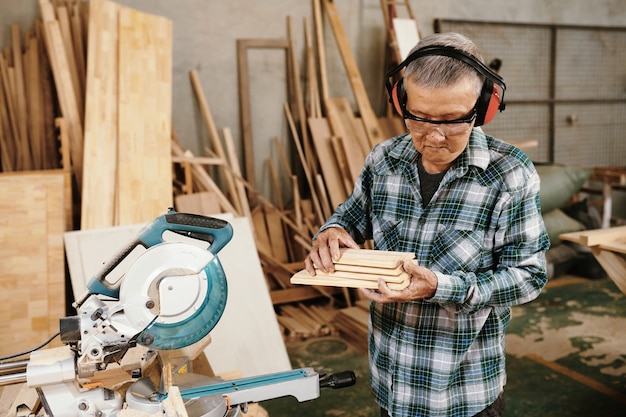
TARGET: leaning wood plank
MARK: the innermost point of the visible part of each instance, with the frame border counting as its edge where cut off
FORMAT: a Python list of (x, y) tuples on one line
[(204, 202), (370, 120), (65, 89), (342, 122), (7, 144), (48, 114), (9, 115), (101, 117), (318, 22), (144, 174), (345, 124), (614, 264), (307, 172), (214, 137), (202, 177), (24, 157), (241, 195), (66, 33)]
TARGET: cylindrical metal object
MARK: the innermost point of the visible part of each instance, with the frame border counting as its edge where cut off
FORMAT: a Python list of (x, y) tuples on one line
[(12, 378)]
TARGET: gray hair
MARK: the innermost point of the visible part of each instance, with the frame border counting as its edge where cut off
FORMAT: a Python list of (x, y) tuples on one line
[(435, 71)]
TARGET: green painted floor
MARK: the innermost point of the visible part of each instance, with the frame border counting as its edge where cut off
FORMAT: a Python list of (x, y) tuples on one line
[(566, 358)]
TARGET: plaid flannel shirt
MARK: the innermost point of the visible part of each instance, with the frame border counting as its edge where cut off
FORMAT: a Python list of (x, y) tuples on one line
[(483, 236)]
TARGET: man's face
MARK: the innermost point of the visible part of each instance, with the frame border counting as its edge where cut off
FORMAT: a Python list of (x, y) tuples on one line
[(440, 144)]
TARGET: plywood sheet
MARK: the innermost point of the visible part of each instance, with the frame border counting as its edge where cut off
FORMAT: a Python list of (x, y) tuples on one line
[(32, 270), (247, 338)]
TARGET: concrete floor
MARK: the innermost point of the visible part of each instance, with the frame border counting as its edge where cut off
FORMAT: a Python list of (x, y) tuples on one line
[(566, 358)]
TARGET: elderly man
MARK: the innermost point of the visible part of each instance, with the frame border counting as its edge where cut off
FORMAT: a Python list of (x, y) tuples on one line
[(467, 205)]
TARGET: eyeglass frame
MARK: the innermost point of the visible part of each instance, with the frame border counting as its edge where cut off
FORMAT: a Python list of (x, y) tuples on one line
[(467, 119)]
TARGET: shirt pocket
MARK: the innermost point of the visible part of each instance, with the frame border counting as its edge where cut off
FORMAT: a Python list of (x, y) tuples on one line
[(458, 249), (386, 233)]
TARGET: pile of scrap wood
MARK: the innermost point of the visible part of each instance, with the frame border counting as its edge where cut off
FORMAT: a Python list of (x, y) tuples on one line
[(70, 79)]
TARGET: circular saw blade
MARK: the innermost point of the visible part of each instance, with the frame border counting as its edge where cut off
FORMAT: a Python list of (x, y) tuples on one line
[(163, 268)]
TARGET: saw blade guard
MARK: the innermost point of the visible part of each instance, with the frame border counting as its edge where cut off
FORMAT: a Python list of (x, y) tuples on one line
[(167, 336), (215, 232), (174, 293)]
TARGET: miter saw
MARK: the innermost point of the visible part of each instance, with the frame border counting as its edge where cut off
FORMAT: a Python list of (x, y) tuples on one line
[(159, 294)]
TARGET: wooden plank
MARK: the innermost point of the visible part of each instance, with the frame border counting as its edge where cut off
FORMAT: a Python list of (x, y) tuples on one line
[(202, 178), (7, 141), (33, 268), (596, 236), (64, 87), (369, 274), (318, 23), (241, 195), (10, 119), (373, 258), (303, 277), (34, 101), (618, 247), (144, 171), (24, 157), (373, 130), (101, 117), (309, 176), (342, 162), (215, 139), (50, 147), (614, 264), (345, 124), (204, 202), (63, 17), (294, 294)]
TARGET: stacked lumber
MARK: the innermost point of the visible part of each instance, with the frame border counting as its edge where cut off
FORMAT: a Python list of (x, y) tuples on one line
[(28, 86), (361, 268), (352, 323), (302, 321)]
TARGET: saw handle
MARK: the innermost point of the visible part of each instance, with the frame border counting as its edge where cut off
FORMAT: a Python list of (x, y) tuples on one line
[(214, 231), (338, 380), (217, 232)]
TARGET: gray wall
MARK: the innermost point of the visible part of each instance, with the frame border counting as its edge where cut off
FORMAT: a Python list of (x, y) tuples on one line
[(205, 34)]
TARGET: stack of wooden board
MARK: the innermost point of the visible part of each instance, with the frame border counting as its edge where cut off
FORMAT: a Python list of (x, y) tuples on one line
[(361, 268)]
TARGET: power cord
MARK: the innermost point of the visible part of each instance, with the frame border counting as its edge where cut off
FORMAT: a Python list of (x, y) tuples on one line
[(26, 352)]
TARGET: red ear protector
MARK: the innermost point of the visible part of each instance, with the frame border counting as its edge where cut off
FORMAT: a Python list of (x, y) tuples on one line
[(491, 97)]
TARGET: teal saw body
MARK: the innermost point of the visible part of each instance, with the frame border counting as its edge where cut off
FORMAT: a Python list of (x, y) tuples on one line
[(174, 292)]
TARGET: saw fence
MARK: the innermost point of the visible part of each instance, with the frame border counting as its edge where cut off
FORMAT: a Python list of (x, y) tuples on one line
[(92, 78)]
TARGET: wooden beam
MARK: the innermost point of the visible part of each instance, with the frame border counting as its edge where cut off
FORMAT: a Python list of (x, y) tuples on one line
[(373, 130), (214, 137)]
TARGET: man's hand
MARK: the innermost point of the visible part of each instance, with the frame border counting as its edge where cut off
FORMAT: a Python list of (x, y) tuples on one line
[(325, 249), (423, 285)]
